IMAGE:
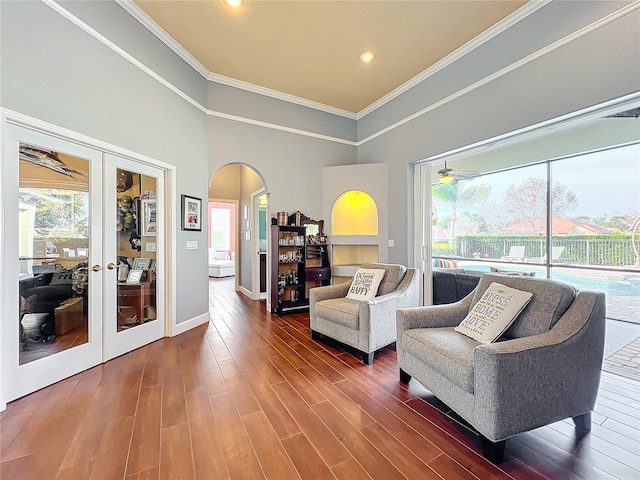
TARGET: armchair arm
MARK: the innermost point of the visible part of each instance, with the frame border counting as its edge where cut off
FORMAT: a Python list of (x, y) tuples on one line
[(329, 291), (527, 382), (325, 293), (382, 311), (433, 316)]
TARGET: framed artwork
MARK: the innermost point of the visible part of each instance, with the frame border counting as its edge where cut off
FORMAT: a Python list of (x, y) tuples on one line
[(134, 276), (149, 219), (141, 263), (191, 213)]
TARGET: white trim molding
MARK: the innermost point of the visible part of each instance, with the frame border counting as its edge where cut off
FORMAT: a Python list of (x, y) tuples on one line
[(468, 47), (187, 325), (509, 68), (136, 12), (268, 92)]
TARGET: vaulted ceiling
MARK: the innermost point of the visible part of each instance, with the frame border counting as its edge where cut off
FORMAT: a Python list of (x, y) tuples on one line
[(311, 49)]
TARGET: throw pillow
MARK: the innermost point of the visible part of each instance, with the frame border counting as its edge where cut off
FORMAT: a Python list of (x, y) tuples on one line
[(493, 313), (221, 255), (365, 284), (62, 277)]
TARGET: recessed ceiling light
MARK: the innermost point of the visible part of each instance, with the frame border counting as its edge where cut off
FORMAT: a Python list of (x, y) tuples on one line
[(366, 57), (233, 3)]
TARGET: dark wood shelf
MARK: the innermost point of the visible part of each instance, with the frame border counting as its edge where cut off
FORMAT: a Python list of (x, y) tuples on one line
[(311, 271)]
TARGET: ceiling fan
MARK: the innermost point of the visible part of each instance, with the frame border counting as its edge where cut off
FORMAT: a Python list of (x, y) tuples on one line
[(449, 175)]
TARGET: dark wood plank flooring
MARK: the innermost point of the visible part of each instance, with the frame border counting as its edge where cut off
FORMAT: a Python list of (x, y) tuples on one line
[(250, 395)]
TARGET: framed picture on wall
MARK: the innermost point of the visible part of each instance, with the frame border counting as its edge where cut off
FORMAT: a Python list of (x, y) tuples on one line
[(149, 219), (191, 213)]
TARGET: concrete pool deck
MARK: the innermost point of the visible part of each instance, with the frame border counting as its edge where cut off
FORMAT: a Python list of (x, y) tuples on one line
[(622, 343)]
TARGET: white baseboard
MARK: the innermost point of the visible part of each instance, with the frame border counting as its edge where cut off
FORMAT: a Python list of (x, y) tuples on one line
[(189, 324), (246, 293)]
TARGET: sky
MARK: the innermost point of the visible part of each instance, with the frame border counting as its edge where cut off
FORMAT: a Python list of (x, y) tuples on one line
[(605, 183)]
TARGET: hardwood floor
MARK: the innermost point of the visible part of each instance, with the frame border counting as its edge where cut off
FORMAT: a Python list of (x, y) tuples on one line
[(250, 395)]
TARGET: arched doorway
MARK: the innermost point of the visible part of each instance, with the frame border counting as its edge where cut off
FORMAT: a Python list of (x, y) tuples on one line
[(238, 203)]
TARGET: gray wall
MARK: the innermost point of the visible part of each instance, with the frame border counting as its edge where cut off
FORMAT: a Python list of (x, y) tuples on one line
[(54, 71), (290, 164), (594, 68), (250, 182)]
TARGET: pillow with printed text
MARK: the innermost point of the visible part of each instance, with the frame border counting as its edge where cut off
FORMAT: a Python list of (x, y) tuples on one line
[(493, 313), (365, 283)]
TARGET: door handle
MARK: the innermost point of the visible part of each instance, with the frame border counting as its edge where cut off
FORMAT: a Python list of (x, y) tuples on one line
[(111, 266), (96, 268)]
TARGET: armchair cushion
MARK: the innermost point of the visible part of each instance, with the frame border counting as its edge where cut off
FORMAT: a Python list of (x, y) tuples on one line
[(445, 351), (365, 283), (549, 302), (343, 311)]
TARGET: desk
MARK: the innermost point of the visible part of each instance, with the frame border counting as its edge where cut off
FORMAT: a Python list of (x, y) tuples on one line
[(134, 295)]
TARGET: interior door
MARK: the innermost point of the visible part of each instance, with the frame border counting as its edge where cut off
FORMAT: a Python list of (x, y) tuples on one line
[(134, 242), (51, 292)]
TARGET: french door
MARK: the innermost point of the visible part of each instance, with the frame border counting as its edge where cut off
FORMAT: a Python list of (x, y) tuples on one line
[(66, 305), (132, 286)]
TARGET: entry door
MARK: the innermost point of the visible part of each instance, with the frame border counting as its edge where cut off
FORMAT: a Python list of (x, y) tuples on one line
[(134, 243), (51, 287)]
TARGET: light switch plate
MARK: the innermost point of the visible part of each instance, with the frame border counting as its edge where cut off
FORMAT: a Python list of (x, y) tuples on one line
[(150, 247), (192, 244), (392, 243)]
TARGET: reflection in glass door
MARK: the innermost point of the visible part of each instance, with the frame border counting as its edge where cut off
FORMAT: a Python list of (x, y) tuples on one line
[(136, 222), (133, 243), (51, 290), (53, 248)]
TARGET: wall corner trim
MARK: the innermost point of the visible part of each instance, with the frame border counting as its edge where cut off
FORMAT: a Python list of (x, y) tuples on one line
[(189, 324)]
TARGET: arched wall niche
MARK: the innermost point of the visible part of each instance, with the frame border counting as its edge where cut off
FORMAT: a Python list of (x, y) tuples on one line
[(355, 213), (355, 205)]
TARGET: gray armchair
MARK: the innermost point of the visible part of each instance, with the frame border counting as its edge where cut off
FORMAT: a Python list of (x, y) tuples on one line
[(366, 325), (545, 368)]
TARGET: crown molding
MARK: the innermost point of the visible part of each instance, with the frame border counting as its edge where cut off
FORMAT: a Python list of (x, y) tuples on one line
[(523, 61), (496, 29), (268, 92), (468, 47), (130, 58), (136, 12), (282, 128)]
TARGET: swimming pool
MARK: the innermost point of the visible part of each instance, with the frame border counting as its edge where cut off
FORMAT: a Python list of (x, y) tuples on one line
[(611, 283)]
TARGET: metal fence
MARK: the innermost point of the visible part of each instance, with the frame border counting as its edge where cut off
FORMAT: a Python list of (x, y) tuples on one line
[(602, 250)]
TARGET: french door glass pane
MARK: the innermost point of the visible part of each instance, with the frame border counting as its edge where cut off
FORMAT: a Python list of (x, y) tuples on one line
[(53, 234), (136, 229)]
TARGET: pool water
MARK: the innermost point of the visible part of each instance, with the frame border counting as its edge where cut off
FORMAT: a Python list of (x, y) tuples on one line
[(622, 285)]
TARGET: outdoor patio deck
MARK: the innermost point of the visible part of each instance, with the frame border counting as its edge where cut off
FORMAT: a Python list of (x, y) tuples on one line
[(622, 350)]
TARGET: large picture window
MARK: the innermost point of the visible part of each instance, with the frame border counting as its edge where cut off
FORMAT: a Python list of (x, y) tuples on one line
[(573, 219)]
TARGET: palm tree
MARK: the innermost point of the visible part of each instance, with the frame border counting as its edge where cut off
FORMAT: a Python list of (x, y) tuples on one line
[(460, 195)]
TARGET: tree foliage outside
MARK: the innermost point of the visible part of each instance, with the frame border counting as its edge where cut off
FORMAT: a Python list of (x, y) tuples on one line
[(460, 195), (526, 204), (66, 216)]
